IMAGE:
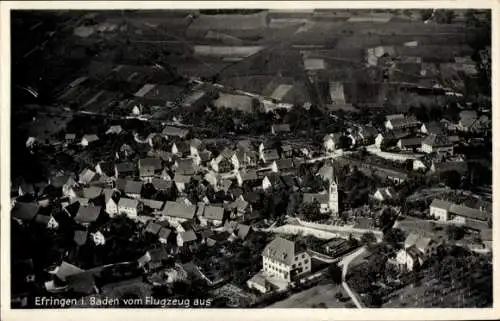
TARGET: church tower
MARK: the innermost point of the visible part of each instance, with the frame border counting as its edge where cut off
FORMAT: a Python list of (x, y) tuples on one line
[(333, 197)]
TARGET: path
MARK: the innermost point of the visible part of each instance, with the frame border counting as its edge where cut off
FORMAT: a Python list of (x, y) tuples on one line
[(346, 260)]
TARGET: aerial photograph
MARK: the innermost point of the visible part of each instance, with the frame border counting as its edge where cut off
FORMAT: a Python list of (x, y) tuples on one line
[(251, 158)]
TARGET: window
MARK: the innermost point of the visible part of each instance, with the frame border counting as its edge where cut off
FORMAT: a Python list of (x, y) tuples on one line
[(296, 258), (303, 255), (300, 263), (306, 261), (293, 266)]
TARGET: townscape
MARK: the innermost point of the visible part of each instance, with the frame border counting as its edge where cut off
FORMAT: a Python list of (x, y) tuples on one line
[(251, 159)]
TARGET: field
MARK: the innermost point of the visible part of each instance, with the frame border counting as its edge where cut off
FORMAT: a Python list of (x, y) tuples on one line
[(319, 296)]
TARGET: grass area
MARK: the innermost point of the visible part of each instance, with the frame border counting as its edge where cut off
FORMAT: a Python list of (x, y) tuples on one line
[(319, 296)]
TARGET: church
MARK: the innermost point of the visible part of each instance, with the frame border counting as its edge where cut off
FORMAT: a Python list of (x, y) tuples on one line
[(329, 199)]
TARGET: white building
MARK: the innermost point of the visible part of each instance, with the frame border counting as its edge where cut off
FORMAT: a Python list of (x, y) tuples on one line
[(111, 207), (440, 209), (128, 206), (98, 238), (284, 259), (87, 139)]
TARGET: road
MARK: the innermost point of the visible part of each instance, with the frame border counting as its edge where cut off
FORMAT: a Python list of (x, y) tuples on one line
[(346, 260)]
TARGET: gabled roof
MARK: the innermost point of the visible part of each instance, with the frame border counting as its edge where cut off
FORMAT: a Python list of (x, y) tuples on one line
[(150, 162), (409, 142), (188, 236), (175, 131), (133, 187), (242, 231), (445, 205), (164, 233), (125, 167), (423, 243), (281, 128), (128, 202), (213, 213), (25, 211), (282, 250), (155, 205), (80, 237), (66, 269), (92, 192), (87, 214), (153, 228), (435, 127), (284, 164), (186, 166), (107, 168), (86, 176), (178, 209), (179, 178), (321, 198), (90, 138), (81, 283), (468, 212), (411, 240), (271, 154), (161, 184), (437, 141)]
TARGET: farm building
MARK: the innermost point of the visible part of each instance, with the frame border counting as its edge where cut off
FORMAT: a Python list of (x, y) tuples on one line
[(237, 102), (226, 51)]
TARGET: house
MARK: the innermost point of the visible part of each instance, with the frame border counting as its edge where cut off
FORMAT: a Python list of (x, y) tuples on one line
[(152, 228), (86, 176), (148, 167), (284, 259), (87, 139), (116, 129), (178, 211), (278, 129), (218, 238), (129, 206), (163, 235), (124, 169), (195, 147), (213, 214), (87, 214), (269, 155), (328, 201), (240, 206), (26, 189), (25, 212), (125, 151), (186, 166), (415, 251), (180, 149), (156, 206), (450, 212), (433, 127), (401, 122), (133, 188), (186, 238), (181, 181), (385, 194), (111, 204), (236, 102), (481, 125), (409, 143), (259, 283), (390, 138), (171, 131), (437, 144)]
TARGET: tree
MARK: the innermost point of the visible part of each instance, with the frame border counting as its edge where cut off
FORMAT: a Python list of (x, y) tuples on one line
[(445, 16), (425, 14), (455, 233), (368, 238), (394, 236), (451, 178), (335, 273)]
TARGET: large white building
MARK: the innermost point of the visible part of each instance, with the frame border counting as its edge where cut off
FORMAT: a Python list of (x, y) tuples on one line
[(284, 259), (128, 206)]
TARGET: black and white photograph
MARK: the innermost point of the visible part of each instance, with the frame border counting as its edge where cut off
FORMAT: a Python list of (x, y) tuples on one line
[(250, 158)]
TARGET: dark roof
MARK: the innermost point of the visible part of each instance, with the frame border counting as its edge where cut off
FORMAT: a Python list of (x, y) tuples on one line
[(175, 131), (188, 236), (409, 142), (80, 237), (60, 180), (186, 166), (87, 214), (125, 167), (309, 198), (284, 164), (242, 231), (107, 168), (164, 233), (133, 187), (42, 219), (282, 250), (404, 122), (214, 213), (177, 209), (128, 202), (66, 269), (469, 212), (92, 192), (437, 141), (435, 127), (25, 211), (153, 228), (271, 154), (281, 128), (156, 205), (249, 175), (179, 178), (161, 184), (150, 162)]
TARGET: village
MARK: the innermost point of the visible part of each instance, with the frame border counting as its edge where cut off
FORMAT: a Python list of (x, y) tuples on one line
[(155, 182)]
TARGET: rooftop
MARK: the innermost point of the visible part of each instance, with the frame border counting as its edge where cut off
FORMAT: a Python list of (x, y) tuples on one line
[(282, 250)]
